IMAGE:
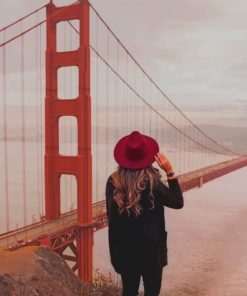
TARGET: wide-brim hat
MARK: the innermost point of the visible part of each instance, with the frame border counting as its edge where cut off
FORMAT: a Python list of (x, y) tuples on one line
[(135, 151)]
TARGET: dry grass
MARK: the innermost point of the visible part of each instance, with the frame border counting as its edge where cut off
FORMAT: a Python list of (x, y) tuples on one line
[(103, 285)]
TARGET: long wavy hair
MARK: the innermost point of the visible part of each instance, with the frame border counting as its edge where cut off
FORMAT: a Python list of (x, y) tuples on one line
[(129, 184)]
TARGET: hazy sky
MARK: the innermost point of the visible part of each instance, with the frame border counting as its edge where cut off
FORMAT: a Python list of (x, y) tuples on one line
[(196, 50)]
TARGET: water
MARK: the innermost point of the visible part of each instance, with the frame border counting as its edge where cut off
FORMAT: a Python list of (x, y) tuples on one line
[(207, 241), (103, 164)]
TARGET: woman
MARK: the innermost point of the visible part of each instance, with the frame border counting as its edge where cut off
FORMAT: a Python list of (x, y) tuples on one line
[(135, 199)]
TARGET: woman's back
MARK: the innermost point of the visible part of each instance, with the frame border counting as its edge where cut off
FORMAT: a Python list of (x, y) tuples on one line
[(135, 200), (142, 237)]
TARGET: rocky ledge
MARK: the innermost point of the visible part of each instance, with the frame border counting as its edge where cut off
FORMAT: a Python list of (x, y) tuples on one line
[(32, 271), (36, 271)]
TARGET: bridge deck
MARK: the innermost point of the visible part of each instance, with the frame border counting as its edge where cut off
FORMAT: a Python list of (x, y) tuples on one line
[(69, 220)]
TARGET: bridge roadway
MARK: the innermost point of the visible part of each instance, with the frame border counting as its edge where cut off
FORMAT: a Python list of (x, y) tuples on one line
[(61, 228)]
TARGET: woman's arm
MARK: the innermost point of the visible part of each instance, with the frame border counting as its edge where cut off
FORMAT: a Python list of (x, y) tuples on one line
[(171, 197)]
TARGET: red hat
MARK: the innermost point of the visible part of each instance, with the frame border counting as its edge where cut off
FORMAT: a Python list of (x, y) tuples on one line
[(135, 151)]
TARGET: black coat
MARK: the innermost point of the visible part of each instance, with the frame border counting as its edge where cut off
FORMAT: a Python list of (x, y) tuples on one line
[(134, 241)]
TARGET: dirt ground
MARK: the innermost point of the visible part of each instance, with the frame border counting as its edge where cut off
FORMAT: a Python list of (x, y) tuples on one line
[(12, 261)]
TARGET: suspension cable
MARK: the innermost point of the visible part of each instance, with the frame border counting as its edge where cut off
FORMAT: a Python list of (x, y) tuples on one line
[(150, 106), (157, 87), (37, 25)]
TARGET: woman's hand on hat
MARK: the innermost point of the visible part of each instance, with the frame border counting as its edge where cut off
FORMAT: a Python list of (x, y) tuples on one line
[(163, 162)]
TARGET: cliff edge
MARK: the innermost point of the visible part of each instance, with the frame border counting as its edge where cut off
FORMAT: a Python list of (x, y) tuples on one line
[(36, 271)]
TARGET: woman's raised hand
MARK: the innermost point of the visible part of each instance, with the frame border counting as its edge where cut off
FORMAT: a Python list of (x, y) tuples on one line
[(163, 162)]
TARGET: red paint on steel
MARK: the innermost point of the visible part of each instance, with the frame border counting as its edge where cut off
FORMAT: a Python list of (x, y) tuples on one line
[(85, 241), (80, 165)]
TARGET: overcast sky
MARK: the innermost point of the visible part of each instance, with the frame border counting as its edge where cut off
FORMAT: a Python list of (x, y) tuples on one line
[(196, 50)]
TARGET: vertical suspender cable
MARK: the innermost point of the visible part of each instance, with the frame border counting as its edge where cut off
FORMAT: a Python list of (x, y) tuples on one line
[(187, 154), (178, 144), (97, 113), (121, 96), (181, 144), (107, 107), (128, 95), (117, 92), (186, 141), (162, 125), (65, 121), (37, 114), (184, 145), (124, 109), (134, 101), (23, 126), (115, 104), (143, 107), (70, 121), (167, 126), (5, 135), (150, 114), (189, 158), (41, 111), (204, 156), (156, 116)]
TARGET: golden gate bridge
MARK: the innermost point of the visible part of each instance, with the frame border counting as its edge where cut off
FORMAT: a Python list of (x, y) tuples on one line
[(69, 90)]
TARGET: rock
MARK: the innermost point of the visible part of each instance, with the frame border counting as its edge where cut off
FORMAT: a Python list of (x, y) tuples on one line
[(35, 271)]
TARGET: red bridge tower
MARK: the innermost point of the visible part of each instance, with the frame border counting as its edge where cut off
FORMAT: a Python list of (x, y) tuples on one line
[(80, 165)]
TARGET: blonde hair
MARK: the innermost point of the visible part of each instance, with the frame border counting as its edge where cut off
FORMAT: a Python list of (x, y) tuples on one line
[(129, 184)]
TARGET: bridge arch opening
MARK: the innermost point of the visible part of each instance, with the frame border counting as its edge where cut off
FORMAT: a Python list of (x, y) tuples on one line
[(68, 83), (68, 38), (68, 193), (68, 136)]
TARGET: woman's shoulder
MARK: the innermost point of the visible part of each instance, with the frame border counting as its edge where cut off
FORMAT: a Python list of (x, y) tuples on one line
[(112, 176), (109, 187)]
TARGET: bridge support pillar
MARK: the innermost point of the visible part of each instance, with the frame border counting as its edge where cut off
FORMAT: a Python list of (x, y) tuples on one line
[(85, 255), (80, 165)]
